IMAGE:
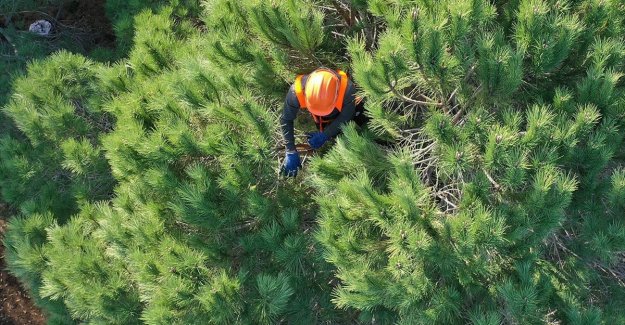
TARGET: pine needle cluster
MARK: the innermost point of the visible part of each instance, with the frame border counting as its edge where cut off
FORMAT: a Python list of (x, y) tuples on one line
[(488, 187)]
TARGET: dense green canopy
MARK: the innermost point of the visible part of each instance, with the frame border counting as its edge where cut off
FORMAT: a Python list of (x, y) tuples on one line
[(488, 187)]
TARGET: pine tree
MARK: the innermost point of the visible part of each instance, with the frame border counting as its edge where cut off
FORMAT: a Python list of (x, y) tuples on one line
[(506, 117), (200, 229), (488, 187), (56, 160)]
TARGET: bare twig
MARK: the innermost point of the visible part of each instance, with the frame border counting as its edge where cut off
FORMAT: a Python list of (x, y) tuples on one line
[(491, 180), (457, 116), (346, 14), (460, 112), (410, 100), (609, 271), (58, 12), (617, 272), (453, 94)]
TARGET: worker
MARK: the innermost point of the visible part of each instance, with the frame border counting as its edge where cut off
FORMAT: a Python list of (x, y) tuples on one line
[(330, 98)]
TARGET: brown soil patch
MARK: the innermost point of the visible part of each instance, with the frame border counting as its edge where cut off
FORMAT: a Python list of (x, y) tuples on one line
[(90, 16), (16, 308), (85, 21)]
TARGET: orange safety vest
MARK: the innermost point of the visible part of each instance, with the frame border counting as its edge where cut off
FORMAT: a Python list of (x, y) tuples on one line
[(301, 97)]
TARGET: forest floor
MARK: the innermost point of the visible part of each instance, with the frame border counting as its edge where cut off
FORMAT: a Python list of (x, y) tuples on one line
[(16, 307), (87, 23)]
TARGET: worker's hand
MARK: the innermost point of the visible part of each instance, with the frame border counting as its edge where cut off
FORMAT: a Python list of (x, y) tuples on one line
[(291, 164), (317, 139)]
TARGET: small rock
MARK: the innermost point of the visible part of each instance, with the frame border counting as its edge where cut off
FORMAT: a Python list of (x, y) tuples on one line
[(41, 27)]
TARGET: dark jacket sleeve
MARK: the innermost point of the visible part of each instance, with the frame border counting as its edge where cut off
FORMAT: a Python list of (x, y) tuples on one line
[(347, 113), (289, 113)]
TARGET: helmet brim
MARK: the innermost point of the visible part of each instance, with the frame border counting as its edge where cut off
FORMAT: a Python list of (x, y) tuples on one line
[(323, 111)]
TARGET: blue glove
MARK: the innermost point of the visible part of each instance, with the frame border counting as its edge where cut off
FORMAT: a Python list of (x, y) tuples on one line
[(291, 164), (317, 139)]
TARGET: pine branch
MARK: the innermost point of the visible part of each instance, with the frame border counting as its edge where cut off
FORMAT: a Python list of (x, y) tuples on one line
[(618, 275), (452, 96), (491, 180), (410, 100), (346, 14)]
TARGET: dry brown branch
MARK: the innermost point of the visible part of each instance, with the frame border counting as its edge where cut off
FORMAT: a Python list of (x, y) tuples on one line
[(616, 272), (460, 112), (345, 13), (446, 194), (453, 94), (410, 100), (491, 180), (618, 276)]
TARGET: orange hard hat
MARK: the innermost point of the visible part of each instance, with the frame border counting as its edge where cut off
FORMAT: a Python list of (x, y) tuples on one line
[(322, 89)]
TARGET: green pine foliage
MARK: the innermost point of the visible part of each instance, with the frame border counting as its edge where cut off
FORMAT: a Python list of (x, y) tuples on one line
[(498, 203), (18, 47), (56, 160), (27, 254), (488, 187), (200, 229), (122, 14)]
